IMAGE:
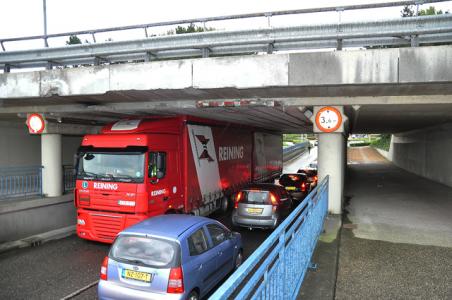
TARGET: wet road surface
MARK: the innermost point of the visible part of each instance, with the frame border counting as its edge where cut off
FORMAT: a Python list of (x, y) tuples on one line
[(57, 269)]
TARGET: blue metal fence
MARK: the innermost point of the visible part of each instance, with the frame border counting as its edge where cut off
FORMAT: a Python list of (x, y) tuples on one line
[(277, 268), (20, 182)]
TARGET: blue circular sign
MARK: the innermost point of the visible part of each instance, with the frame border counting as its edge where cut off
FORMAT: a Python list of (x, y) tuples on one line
[(85, 184)]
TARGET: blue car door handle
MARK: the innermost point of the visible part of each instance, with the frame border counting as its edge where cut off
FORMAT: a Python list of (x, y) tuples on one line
[(200, 267), (220, 252)]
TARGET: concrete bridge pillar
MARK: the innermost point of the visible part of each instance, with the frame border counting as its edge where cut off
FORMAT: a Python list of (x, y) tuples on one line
[(331, 162), (51, 159), (330, 124)]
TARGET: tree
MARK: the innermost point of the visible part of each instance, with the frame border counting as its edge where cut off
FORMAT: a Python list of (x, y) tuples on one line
[(73, 40), (430, 11), (192, 28), (408, 11)]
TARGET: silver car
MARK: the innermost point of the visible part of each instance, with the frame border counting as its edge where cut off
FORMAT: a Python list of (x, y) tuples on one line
[(261, 206)]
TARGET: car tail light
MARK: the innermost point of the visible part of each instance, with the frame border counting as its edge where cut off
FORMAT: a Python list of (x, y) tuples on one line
[(303, 186), (175, 281), (104, 268), (273, 199), (237, 200)]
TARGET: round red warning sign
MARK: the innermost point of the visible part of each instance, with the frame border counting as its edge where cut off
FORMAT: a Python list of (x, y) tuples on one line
[(328, 119), (35, 123)]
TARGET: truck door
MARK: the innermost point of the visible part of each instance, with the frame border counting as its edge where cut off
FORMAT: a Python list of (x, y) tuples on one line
[(163, 181)]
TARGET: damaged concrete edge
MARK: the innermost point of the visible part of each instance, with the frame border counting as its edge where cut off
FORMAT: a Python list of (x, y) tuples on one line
[(38, 239), (332, 227)]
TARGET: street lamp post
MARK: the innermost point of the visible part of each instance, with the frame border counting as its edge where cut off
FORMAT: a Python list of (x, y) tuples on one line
[(44, 7)]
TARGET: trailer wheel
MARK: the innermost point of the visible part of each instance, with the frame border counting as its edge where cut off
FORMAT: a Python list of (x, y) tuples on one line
[(224, 204)]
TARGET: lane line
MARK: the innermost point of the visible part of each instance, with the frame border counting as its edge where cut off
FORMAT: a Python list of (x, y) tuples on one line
[(79, 291)]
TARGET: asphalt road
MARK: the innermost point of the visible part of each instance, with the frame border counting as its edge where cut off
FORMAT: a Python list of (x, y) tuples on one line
[(59, 268), (69, 268)]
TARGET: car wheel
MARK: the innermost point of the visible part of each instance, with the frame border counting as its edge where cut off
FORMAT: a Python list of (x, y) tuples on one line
[(238, 260), (224, 204), (193, 296), (278, 221)]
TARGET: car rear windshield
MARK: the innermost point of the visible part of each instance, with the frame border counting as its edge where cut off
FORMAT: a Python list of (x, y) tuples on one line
[(290, 179), (255, 197), (147, 251)]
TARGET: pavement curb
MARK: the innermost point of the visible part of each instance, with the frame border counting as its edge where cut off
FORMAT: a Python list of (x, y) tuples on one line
[(38, 239)]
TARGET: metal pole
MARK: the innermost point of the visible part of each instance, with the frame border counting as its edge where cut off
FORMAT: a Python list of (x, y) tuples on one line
[(44, 6)]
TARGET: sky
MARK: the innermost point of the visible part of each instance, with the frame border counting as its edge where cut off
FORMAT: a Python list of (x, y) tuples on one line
[(25, 17)]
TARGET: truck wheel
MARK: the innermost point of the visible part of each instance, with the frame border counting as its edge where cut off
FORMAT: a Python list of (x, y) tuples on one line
[(224, 204)]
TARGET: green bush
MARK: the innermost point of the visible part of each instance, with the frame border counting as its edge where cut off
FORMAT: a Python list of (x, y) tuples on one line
[(383, 142), (360, 144)]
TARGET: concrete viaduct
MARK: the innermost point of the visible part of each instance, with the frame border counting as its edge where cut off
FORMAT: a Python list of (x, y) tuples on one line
[(395, 90)]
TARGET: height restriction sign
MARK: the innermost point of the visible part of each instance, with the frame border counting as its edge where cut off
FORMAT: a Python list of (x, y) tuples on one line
[(328, 119)]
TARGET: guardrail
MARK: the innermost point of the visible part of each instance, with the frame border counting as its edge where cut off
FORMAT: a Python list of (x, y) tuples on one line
[(68, 178), (277, 268), (203, 21), (402, 31), (294, 150), (20, 182)]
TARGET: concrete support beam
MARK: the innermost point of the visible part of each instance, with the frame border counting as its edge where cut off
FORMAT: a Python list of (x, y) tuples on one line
[(331, 163), (51, 159)]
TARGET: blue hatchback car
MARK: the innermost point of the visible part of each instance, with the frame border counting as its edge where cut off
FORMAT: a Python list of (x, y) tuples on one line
[(169, 257)]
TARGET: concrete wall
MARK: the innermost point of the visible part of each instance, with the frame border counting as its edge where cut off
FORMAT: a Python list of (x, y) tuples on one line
[(425, 152), (349, 73), (22, 219), (70, 146), (19, 148)]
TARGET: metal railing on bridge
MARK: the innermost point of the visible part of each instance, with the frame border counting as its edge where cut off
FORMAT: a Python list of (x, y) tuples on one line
[(278, 267), (26, 182), (20, 182), (402, 31), (68, 178)]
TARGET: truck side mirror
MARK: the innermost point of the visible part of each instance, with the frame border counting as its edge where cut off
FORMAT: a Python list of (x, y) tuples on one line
[(161, 165), (157, 165)]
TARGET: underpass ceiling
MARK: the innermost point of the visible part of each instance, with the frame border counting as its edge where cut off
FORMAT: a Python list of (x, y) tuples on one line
[(282, 114)]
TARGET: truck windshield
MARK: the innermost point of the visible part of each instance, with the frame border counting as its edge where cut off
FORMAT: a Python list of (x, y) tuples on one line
[(125, 167)]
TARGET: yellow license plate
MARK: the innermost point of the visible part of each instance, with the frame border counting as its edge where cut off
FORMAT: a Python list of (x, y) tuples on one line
[(141, 276), (290, 188), (254, 211)]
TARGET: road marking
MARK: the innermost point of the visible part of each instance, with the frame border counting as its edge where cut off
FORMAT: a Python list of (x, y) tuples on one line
[(79, 291)]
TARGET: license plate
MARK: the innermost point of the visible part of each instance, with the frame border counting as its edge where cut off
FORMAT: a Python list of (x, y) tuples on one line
[(141, 276), (290, 188), (254, 211)]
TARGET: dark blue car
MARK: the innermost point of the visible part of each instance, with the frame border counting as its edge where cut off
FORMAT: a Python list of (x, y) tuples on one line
[(169, 257)]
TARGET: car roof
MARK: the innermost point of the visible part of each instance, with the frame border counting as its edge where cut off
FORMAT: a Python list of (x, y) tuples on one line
[(294, 174), (262, 186), (171, 226)]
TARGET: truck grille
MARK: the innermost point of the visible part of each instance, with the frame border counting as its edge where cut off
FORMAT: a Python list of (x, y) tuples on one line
[(106, 227)]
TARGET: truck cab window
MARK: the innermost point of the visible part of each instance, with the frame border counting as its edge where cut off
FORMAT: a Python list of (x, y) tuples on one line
[(157, 165)]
